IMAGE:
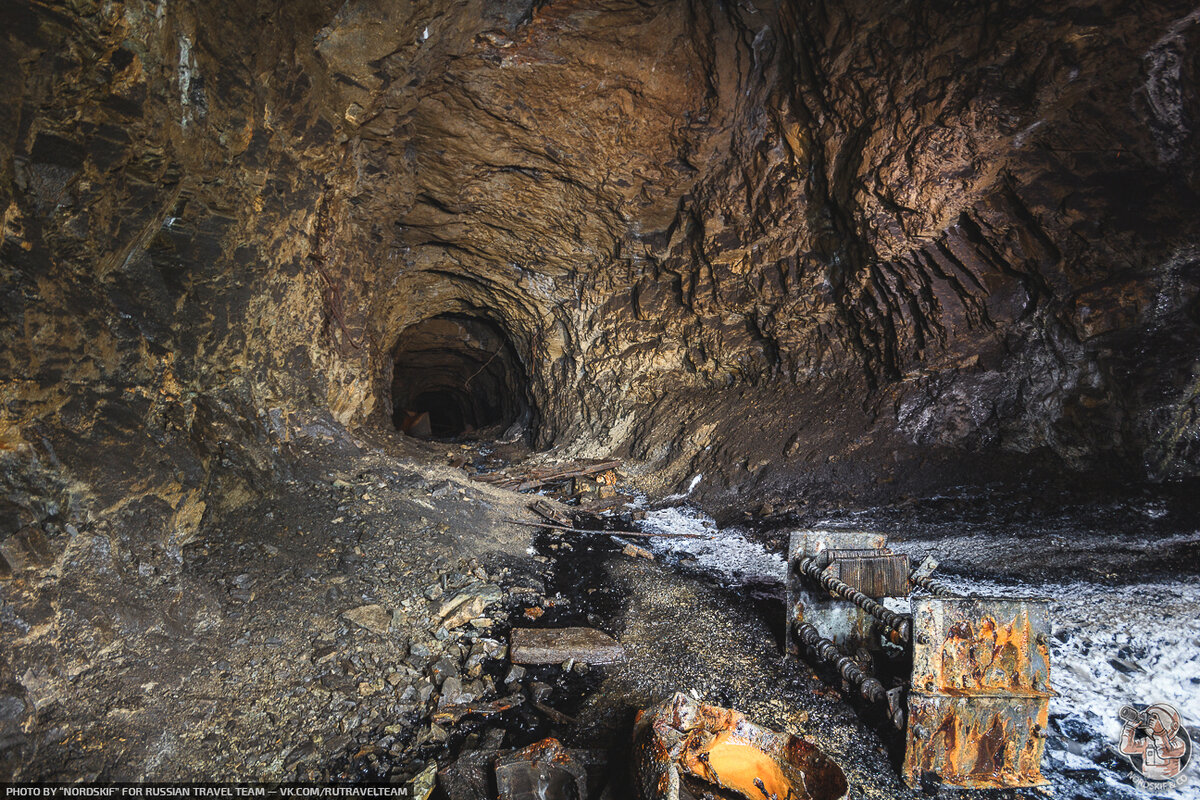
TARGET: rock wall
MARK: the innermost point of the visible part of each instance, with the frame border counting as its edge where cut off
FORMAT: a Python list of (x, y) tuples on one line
[(163, 324), (812, 246), (946, 242)]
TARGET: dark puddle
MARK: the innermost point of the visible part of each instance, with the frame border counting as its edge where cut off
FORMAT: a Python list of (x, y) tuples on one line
[(578, 593)]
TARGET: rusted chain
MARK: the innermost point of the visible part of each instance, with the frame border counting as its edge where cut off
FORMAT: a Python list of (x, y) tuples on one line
[(870, 688), (936, 588), (902, 625)]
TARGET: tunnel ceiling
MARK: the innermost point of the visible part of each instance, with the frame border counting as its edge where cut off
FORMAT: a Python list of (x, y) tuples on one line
[(783, 245), (812, 203)]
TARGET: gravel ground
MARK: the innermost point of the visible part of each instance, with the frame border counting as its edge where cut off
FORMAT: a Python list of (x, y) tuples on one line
[(343, 627)]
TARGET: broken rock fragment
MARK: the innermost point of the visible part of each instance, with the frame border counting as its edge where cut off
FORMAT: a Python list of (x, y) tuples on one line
[(422, 786), (557, 645), (460, 610), (467, 605), (372, 617)]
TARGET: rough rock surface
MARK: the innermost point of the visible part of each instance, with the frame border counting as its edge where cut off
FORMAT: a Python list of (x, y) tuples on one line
[(767, 252), (812, 245), (868, 236)]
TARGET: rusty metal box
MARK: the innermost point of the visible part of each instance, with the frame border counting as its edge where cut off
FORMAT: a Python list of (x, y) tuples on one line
[(975, 741), (980, 691), (977, 644)]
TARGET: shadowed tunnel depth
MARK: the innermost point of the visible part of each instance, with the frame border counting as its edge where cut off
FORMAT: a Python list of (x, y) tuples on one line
[(463, 373)]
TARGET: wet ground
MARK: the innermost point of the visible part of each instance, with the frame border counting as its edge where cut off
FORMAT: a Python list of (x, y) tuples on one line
[(301, 637), (1123, 576)]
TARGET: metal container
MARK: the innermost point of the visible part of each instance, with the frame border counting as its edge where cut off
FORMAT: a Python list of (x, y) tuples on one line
[(980, 692)]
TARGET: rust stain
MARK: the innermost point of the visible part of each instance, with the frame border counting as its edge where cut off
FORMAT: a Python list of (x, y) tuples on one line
[(989, 759), (949, 731), (990, 655), (720, 747), (980, 698)]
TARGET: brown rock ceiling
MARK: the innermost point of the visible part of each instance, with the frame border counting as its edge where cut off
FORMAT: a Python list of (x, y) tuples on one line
[(850, 247)]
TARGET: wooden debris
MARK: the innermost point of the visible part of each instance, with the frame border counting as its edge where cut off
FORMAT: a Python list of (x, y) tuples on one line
[(585, 486), (553, 714), (536, 478), (634, 551), (544, 509), (563, 473), (556, 645), (566, 529), (605, 504)]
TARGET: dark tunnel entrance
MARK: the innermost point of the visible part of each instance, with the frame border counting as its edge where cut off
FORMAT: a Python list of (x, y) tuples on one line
[(457, 375)]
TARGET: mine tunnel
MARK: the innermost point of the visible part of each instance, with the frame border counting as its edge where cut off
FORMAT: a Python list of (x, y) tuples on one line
[(455, 376), (577, 399)]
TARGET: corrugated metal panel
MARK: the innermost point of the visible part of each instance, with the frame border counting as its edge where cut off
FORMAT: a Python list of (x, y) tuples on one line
[(882, 575)]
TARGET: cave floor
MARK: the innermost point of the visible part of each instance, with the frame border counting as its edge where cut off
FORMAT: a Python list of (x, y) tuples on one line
[(297, 639)]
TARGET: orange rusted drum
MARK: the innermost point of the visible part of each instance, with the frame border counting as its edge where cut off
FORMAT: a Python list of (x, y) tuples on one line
[(980, 692), (683, 741)]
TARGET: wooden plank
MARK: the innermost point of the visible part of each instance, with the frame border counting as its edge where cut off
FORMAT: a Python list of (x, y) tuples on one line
[(523, 481), (597, 506), (570, 471), (565, 529), (874, 574), (544, 509)]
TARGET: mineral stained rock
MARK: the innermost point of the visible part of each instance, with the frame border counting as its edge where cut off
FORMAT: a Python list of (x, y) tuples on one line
[(803, 245)]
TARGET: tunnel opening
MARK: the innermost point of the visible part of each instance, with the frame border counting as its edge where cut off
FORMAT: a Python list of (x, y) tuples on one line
[(456, 376)]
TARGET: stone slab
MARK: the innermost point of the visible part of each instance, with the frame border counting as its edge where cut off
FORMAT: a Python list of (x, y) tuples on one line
[(556, 645)]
